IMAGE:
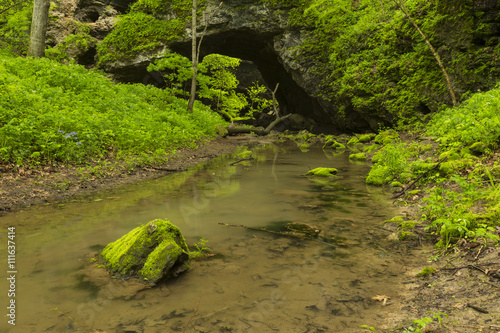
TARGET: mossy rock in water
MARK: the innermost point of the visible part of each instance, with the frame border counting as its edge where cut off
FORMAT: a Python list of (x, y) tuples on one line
[(322, 172), (358, 157), (152, 252), (366, 137), (330, 142), (354, 140)]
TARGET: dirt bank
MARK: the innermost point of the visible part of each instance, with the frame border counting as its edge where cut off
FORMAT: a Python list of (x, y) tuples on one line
[(23, 187)]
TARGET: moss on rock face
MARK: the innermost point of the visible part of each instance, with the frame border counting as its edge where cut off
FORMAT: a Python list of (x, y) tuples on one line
[(358, 157), (152, 252), (322, 172), (366, 137)]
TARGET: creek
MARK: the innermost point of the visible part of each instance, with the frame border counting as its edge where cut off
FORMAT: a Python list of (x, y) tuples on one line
[(256, 281)]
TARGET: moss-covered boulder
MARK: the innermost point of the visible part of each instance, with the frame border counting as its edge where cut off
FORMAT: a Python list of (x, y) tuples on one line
[(152, 252), (357, 157), (322, 172), (366, 137)]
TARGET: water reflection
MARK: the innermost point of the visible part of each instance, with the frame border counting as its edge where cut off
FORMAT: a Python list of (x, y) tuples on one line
[(257, 282)]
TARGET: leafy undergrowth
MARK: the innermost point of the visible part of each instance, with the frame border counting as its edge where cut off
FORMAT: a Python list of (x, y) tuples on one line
[(58, 113), (452, 168)]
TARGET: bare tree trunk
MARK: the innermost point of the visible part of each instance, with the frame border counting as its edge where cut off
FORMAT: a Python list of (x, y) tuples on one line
[(39, 28), (436, 55), (194, 57), (273, 93)]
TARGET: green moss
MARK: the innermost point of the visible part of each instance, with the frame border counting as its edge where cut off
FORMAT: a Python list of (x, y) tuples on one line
[(386, 137), (322, 172), (451, 167), (396, 184), (406, 225), (395, 219), (330, 142), (366, 137), (421, 166), (245, 154), (450, 155), (148, 252), (379, 175), (425, 148), (138, 33), (413, 192), (354, 140), (478, 148), (405, 176), (358, 157), (406, 235), (426, 272), (304, 147), (369, 149)]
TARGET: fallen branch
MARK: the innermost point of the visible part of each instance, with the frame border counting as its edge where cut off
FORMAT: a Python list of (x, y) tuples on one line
[(167, 169), (243, 159), (418, 178), (257, 130), (282, 234)]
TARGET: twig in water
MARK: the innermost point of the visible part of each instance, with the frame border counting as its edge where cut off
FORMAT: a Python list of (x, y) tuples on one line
[(243, 159), (56, 310), (194, 314)]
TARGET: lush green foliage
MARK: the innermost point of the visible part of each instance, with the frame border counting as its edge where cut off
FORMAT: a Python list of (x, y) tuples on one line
[(373, 60), (145, 30), (50, 111), (221, 83), (15, 25), (135, 33), (216, 80), (74, 44), (476, 120), (391, 163)]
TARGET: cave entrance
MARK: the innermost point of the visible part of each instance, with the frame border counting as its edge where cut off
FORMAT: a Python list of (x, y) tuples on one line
[(258, 49)]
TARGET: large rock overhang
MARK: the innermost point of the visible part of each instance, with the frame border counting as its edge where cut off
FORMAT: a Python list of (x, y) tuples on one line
[(258, 48)]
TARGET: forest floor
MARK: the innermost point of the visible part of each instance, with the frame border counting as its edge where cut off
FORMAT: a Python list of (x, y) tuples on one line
[(463, 292), (461, 296)]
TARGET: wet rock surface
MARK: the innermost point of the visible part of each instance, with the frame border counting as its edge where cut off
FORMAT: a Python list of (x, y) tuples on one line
[(153, 252)]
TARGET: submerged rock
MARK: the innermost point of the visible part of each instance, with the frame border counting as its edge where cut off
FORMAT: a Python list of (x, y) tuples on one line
[(299, 228), (152, 252)]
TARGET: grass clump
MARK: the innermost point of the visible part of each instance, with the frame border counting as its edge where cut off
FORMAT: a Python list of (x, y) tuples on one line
[(426, 272)]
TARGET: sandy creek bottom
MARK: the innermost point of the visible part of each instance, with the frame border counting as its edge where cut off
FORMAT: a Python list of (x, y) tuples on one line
[(256, 282)]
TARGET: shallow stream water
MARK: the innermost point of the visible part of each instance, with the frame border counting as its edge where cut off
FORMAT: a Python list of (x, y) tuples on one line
[(256, 281)]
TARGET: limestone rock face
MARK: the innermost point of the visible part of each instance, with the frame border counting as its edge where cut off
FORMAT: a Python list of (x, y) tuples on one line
[(153, 252)]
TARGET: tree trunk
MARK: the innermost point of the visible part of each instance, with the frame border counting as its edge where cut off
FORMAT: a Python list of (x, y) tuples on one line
[(39, 28), (194, 57), (436, 55)]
